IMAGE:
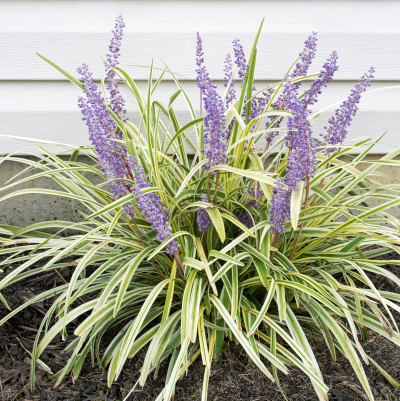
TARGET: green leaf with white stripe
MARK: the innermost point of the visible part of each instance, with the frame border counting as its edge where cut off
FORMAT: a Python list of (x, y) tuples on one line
[(158, 345), (227, 258), (264, 308), (169, 388), (137, 324), (225, 268), (197, 264), (295, 204), (254, 175), (126, 279), (217, 221), (237, 223), (240, 336)]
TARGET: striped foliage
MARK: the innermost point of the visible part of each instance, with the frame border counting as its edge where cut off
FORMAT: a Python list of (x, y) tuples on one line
[(231, 282)]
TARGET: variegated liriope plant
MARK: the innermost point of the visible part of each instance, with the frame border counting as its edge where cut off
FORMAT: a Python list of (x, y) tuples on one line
[(265, 246)]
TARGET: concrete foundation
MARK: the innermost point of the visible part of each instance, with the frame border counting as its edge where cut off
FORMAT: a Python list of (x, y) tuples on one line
[(27, 209)]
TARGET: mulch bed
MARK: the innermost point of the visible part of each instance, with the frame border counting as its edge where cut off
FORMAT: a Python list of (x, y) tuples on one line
[(233, 377)]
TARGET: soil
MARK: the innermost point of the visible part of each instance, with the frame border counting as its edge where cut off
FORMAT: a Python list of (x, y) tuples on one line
[(233, 377)]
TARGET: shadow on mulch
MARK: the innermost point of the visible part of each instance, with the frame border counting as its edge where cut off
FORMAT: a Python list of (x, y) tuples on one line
[(233, 377)]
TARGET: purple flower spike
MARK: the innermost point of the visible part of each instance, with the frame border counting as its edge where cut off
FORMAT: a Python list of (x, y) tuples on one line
[(151, 207), (302, 153), (116, 100), (264, 100), (240, 61), (116, 163), (245, 219), (324, 77), (258, 105), (336, 133), (115, 43), (302, 157), (231, 95), (300, 70), (257, 194), (202, 74), (203, 219), (101, 132), (214, 122), (240, 58), (308, 53), (280, 207)]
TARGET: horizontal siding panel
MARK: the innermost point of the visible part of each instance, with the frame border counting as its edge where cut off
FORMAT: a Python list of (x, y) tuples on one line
[(49, 111), (357, 52), (365, 33), (214, 15)]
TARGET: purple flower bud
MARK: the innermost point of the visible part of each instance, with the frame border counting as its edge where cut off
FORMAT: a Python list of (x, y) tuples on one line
[(257, 194), (203, 219), (245, 219), (279, 210)]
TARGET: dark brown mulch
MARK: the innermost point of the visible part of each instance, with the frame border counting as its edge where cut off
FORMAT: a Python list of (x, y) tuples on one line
[(233, 377)]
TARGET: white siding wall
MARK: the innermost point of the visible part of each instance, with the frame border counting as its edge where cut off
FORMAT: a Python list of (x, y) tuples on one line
[(37, 102)]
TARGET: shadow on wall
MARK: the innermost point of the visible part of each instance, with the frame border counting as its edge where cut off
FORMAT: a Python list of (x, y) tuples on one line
[(24, 210)]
